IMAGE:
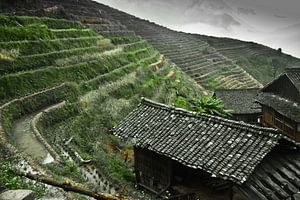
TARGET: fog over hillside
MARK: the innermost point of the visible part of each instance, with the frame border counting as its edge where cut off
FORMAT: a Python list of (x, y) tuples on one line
[(275, 23)]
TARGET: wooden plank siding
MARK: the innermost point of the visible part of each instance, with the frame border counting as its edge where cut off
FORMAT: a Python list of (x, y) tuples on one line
[(153, 171), (289, 127)]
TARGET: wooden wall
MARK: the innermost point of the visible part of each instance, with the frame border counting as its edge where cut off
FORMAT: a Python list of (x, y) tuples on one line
[(275, 119), (153, 171)]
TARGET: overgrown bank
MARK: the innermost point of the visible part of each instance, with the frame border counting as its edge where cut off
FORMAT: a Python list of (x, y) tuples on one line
[(100, 85)]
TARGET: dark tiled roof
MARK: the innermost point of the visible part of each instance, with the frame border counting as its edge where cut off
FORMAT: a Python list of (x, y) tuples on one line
[(294, 76), (285, 107), (241, 101), (276, 178), (225, 148)]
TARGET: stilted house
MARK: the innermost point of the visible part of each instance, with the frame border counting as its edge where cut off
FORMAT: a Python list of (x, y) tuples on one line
[(242, 103), (192, 153), (278, 176), (280, 102)]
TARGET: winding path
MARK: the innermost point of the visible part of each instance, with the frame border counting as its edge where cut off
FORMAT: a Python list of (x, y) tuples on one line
[(27, 141)]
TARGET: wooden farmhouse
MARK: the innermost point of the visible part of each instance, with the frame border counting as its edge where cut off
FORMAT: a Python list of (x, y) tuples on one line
[(242, 103), (189, 155), (280, 102)]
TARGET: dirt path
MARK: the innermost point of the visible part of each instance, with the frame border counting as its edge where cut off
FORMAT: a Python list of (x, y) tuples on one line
[(27, 142)]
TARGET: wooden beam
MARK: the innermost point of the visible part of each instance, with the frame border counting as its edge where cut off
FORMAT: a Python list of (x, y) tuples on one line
[(70, 187)]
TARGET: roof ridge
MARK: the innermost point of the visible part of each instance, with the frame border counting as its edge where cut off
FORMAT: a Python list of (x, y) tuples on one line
[(238, 89), (229, 122)]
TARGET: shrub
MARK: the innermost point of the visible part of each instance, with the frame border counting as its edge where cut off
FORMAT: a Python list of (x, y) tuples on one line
[(206, 104)]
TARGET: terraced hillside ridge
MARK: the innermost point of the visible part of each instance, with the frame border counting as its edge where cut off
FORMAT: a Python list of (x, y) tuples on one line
[(203, 57), (261, 62), (196, 57), (67, 83), (66, 86)]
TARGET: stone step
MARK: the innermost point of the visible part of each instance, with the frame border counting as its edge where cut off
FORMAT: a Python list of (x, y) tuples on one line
[(17, 195)]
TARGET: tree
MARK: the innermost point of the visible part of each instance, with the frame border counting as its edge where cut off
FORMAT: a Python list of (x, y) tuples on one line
[(279, 50)]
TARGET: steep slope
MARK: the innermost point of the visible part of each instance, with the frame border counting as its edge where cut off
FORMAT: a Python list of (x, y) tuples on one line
[(193, 55), (261, 62), (73, 84), (59, 79)]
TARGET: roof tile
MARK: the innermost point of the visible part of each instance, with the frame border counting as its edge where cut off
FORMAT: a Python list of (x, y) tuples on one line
[(226, 148), (241, 101)]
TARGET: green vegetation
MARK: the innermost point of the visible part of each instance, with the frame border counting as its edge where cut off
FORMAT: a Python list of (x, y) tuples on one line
[(12, 181), (125, 39), (101, 80), (49, 22), (30, 32), (206, 104), (265, 69), (26, 47), (213, 83), (103, 108), (69, 169), (262, 62)]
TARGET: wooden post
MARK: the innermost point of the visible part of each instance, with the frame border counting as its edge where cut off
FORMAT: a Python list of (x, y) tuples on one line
[(231, 191), (170, 172), (136, 171)]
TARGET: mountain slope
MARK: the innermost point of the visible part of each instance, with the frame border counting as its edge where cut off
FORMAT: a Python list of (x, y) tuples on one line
[(262, 62), (57, 75), (69, 82), (195, 57)]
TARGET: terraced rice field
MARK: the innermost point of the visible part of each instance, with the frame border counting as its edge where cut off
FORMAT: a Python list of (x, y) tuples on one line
[(69, 61), (195, 56), (100, 64), (40, 64), (260, 61)]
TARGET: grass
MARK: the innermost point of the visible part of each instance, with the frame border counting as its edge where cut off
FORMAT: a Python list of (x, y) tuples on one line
[(49, 22), (73, 33), (9, 55), (117, 40), (47, 59), (263, 63), (105, 86), (12, 181), (31, 32), (103, 108), (32, 47), (19, 84)]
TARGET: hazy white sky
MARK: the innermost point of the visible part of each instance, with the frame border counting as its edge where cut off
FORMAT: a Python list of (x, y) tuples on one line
[(275, 23)]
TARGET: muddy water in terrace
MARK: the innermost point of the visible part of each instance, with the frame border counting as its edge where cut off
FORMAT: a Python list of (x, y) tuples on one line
[(27, 142)]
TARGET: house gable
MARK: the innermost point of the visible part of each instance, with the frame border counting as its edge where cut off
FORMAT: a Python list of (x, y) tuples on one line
[(283, 87)]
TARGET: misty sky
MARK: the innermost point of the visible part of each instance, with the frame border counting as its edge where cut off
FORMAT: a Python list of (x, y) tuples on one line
[(275, 23)]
